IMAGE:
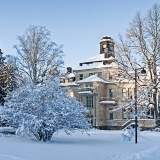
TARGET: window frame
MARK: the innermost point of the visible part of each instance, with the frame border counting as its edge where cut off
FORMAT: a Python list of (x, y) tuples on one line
[(99, 74), (110, 94), (80, 76), (124, 94), (111, 114), (124, 115), (89, 101)]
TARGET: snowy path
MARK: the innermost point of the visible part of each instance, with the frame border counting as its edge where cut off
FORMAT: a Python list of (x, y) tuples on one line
[(100, 145)]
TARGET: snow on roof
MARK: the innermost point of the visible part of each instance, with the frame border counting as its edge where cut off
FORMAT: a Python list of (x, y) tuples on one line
[(68, 84), (125, 81), (110, 58), (71, 75), (107, 102), (106, 38), (95, 65), (99, 57), (93, 78)]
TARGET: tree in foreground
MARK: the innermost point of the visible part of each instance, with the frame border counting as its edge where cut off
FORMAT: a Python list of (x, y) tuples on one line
[(141, 49), (42, 110), (38, 55)]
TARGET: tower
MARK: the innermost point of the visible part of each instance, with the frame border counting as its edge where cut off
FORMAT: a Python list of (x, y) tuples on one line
[(107, 46)]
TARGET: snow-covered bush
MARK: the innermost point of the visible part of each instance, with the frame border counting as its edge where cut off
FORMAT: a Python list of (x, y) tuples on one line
[(157, 129), (128, 134), (45, 109)]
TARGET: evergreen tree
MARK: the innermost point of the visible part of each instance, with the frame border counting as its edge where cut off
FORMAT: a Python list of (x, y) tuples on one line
[(7, 78)]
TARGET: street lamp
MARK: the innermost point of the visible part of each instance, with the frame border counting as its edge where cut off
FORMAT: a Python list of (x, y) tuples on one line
[(136, 122)]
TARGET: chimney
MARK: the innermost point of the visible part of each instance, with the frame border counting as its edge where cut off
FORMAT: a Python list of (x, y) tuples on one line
[(69, 69)]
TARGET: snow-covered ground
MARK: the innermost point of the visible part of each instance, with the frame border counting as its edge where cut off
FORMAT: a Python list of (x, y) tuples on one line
[(100, 145)]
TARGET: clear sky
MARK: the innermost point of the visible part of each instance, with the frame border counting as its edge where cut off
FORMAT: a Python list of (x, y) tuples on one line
[(77, 24)]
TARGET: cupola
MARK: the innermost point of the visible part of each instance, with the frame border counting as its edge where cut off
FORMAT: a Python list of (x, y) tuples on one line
[(107, 46)]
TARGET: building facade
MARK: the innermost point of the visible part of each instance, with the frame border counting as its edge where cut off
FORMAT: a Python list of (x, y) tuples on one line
[(94, 84)]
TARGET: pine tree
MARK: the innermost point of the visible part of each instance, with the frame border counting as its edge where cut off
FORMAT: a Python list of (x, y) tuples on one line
[(7, 78)]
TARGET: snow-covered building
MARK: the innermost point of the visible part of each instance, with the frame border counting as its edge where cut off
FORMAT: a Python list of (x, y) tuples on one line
[(96, 86)]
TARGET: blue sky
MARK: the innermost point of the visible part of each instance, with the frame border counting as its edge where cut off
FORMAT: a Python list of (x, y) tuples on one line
[(77, 24)]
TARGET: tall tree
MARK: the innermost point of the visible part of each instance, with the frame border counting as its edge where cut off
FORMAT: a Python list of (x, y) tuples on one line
[(141, 48), (38, 55)]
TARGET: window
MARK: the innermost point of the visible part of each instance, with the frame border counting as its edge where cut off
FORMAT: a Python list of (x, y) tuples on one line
[(124, 93), (80, 76), (103, 47), (89, 101), (99, 74), (96, 73), (88, 85), (130, 93), (108, 46), (150, 113), (124, 115), (110, 113), (90, 74), (131, 115), (110, 77), (110, 94)]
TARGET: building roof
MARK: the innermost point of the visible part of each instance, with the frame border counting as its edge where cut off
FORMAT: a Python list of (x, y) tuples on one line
[(93, 78), (99, 57), (95, 65), (106, 38), (96, 62), (70, 75), (68, 84)]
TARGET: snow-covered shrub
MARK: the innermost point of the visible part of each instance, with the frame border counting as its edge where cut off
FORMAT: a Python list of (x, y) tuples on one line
[(45, 109), (128, 134), (157, 129), (6, 117)]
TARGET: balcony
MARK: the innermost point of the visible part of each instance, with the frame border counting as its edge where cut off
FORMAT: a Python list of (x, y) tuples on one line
[(87, 90), (107, 100)]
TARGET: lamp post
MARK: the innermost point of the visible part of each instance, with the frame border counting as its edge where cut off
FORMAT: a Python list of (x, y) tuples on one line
[(136, 121)]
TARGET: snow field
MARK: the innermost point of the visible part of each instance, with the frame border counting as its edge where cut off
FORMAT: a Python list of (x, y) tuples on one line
[(100, 145)]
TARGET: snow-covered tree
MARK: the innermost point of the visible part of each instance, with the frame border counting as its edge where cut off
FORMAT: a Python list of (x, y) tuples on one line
[(43, 110), (38, 55), (19, 75), (141, 49), (7, 78)]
